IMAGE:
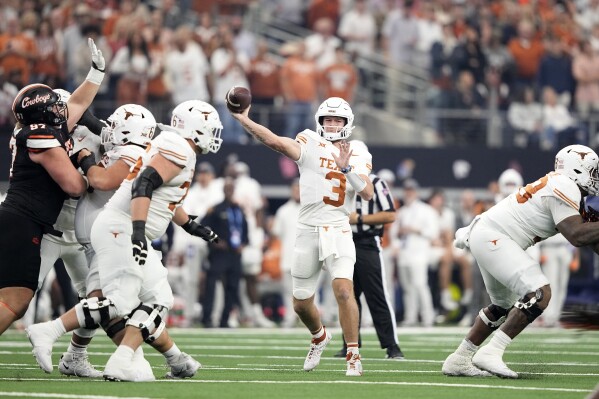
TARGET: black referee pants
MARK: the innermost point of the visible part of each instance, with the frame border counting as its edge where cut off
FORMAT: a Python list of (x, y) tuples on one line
[(368, 280)]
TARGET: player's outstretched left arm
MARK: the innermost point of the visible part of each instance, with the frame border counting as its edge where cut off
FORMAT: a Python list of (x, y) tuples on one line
[(361, 183), (285, 145), (83, 96)]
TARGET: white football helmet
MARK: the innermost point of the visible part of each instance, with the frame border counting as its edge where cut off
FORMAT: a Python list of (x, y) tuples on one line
[(509, 181), (580, 164), (198, 121), (335, 106), (63, 94), (129, 124)]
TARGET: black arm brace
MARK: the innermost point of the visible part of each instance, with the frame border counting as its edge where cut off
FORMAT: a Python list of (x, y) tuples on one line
[(91, 122), (145, 184)]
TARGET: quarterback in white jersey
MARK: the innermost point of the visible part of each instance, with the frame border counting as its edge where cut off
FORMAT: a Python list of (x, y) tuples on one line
[(498, 238), (331, 173)]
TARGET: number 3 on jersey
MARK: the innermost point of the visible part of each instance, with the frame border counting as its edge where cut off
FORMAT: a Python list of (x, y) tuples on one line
[(339, 190)]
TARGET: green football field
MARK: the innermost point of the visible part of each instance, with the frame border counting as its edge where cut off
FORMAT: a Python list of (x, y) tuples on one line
[(267, 363)]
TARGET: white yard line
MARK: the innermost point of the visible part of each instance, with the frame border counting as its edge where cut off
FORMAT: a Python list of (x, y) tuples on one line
[(64, 395)]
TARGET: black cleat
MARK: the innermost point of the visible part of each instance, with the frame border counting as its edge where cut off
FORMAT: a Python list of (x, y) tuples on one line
[(342, 353), (393, 352)]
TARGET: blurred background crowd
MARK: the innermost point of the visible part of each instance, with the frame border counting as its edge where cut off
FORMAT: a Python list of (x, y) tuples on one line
[(505, 74)]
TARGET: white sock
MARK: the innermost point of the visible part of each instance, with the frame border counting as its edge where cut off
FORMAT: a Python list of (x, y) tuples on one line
[(353, 348), (138, 354), (76, 348), (466, 348), (500, 340), (57, 329), (172, 354), (319, 334), (124, 351)]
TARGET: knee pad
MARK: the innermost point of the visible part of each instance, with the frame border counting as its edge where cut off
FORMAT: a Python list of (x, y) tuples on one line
[(529, 305), (149, 319), (302, 294), (499, 313), (94, 312)]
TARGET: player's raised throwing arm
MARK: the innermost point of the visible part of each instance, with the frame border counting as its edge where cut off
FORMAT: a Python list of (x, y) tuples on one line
[(285, 145)]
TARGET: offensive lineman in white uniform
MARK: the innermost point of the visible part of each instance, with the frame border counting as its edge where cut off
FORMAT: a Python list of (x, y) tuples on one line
[(328, 186), (196, 127), (121, 153), (498, 239)]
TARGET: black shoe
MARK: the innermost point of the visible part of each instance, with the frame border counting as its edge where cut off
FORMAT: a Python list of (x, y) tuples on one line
[(341, 353), (393, 352)]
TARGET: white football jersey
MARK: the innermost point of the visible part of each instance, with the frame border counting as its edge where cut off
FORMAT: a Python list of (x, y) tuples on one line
[(325, 195), (91, 204), (532, 213), (169, 196), (81, 137)]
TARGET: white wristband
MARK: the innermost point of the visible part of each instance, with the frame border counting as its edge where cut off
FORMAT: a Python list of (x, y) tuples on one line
[(95, 76), (356, 181)]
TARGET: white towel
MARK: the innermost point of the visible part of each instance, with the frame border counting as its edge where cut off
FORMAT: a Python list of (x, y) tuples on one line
[(462, 235), (327, 242)]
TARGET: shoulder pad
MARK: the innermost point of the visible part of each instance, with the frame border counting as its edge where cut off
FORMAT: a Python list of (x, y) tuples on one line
[(173, 147), (563, 188), (128, 153)]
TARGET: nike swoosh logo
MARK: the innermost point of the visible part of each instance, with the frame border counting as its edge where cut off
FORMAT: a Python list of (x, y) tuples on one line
[(80, 138), (345, 231)]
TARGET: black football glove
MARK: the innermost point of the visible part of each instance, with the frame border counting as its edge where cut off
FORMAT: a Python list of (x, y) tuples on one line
[(138, 240), (198, 230)]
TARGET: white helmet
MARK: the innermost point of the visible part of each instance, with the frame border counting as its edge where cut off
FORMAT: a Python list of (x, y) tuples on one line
[(198, 121), (63, 94), (335, 106), (580, 164), (509, 181), (129, 124)]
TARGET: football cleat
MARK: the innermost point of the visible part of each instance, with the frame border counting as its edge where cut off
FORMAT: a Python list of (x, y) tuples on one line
[(393, 352), (120, 368), (457, 365), (354, 365), (78, 365), (40, 336), (184, 366), (316, 349), (491, 360)]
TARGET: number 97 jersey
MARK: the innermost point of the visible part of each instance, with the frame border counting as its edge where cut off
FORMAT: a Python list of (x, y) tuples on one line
[(326, 196)]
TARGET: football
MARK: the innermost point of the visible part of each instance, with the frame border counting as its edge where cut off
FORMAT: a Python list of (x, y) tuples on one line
[(238, 99)]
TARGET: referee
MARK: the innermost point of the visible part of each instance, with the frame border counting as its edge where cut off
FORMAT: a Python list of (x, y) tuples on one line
[(369, 272)]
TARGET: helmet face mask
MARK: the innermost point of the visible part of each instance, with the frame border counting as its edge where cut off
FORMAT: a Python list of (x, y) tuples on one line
[(129, 124), (38, 103), (579, 163), (198, 121), (334, 107)]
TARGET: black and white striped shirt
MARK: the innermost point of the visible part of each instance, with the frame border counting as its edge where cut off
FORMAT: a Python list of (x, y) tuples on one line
[(382, 201)]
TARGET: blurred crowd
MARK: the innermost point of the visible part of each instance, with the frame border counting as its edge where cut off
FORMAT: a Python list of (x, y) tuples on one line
[(534, 61)]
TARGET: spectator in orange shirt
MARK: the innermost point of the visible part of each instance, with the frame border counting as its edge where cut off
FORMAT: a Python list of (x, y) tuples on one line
[(299, 82), (527, 52), (264, 77), (17, 52), (339, 79), (46, 67)]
